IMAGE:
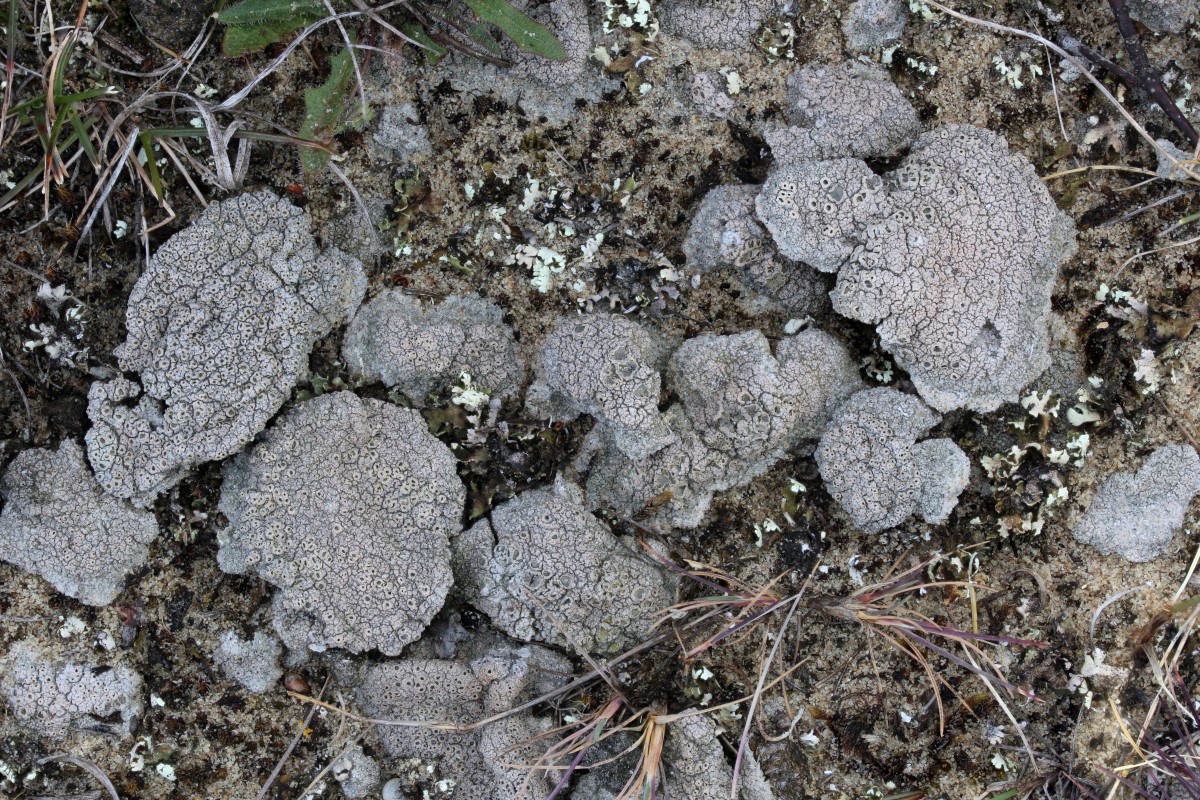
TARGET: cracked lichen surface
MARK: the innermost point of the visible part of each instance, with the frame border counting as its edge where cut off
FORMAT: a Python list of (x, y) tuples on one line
[(726, 234), (742, 409), (695, 764), (420, 349), (874, 467), (254, 662), (846, 110), (488, 678), (1135, 515), (542, 86), (606, 366), (953, 258), (58, 523), (220, 326), (347, 505), (725, 24), (55, 696), (551, 571)]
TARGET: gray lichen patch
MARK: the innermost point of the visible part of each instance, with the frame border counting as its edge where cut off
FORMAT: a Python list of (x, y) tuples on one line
[(254, 663), (723, 24), (818, 211), (220, 327), (542, 86), (752, 406), (696, 767), (58, 523), (484, 763), (957, 280), (679, 479), (1136, 515), (401, 132), (874, 467), (421, 349), (741, 410), (726, 234), (708, 92), (606, 366), (347, 505), (874, 24), (846, 110), (55, 696), (1164, 16), (953, 258), (545, 569)]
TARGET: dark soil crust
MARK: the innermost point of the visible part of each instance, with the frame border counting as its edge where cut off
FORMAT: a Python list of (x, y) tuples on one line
[(874, 726)]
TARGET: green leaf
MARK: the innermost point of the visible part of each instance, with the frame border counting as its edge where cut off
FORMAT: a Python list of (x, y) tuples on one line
[(324, 107), (151, 165), (527, 34), (434, 52), (483, 37), (254, 24), (252, 13), (242, 39)]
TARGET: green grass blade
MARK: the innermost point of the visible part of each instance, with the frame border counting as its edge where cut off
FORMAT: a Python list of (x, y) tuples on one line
[(254, 24), (78, 97), (434, 52), (324, 107), (151, 166), (527, 34), (252, 13), (242, 39), (80, 127), (24, 183), (61, 66)]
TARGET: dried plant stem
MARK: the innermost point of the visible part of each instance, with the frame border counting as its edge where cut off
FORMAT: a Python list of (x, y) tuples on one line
[(1146, 77), (744, 742), (1185, 167), (266, 787), (88, 767)]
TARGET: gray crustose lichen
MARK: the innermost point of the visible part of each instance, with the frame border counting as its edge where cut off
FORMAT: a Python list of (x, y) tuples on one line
[(347, 505)]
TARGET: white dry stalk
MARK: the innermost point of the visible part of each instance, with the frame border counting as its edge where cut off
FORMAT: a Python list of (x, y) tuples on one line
[(235, 99), (1186, 167), (362, 87)]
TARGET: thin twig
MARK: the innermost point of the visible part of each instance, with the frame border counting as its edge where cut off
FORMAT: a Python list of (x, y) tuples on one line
[(21, 393), (1128, 215), (87, 766), (266, 787), (1148, 78), (1175, 163), (744, 742)]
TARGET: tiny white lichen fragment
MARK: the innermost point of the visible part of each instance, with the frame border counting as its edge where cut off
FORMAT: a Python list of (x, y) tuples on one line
[(467, 395), (1146, 372), (733, 80)]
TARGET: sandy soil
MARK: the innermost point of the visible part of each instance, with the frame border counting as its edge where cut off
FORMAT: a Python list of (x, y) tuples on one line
[(874, 727)]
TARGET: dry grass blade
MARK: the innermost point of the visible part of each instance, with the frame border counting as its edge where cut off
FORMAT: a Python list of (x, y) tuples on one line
[(349, 42), (729, 593), (643, 783), (20, 393), (1187, 167), (585, 734), (266, 787), (879, 609), (744, 742), (10, 64), (88, 767)]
